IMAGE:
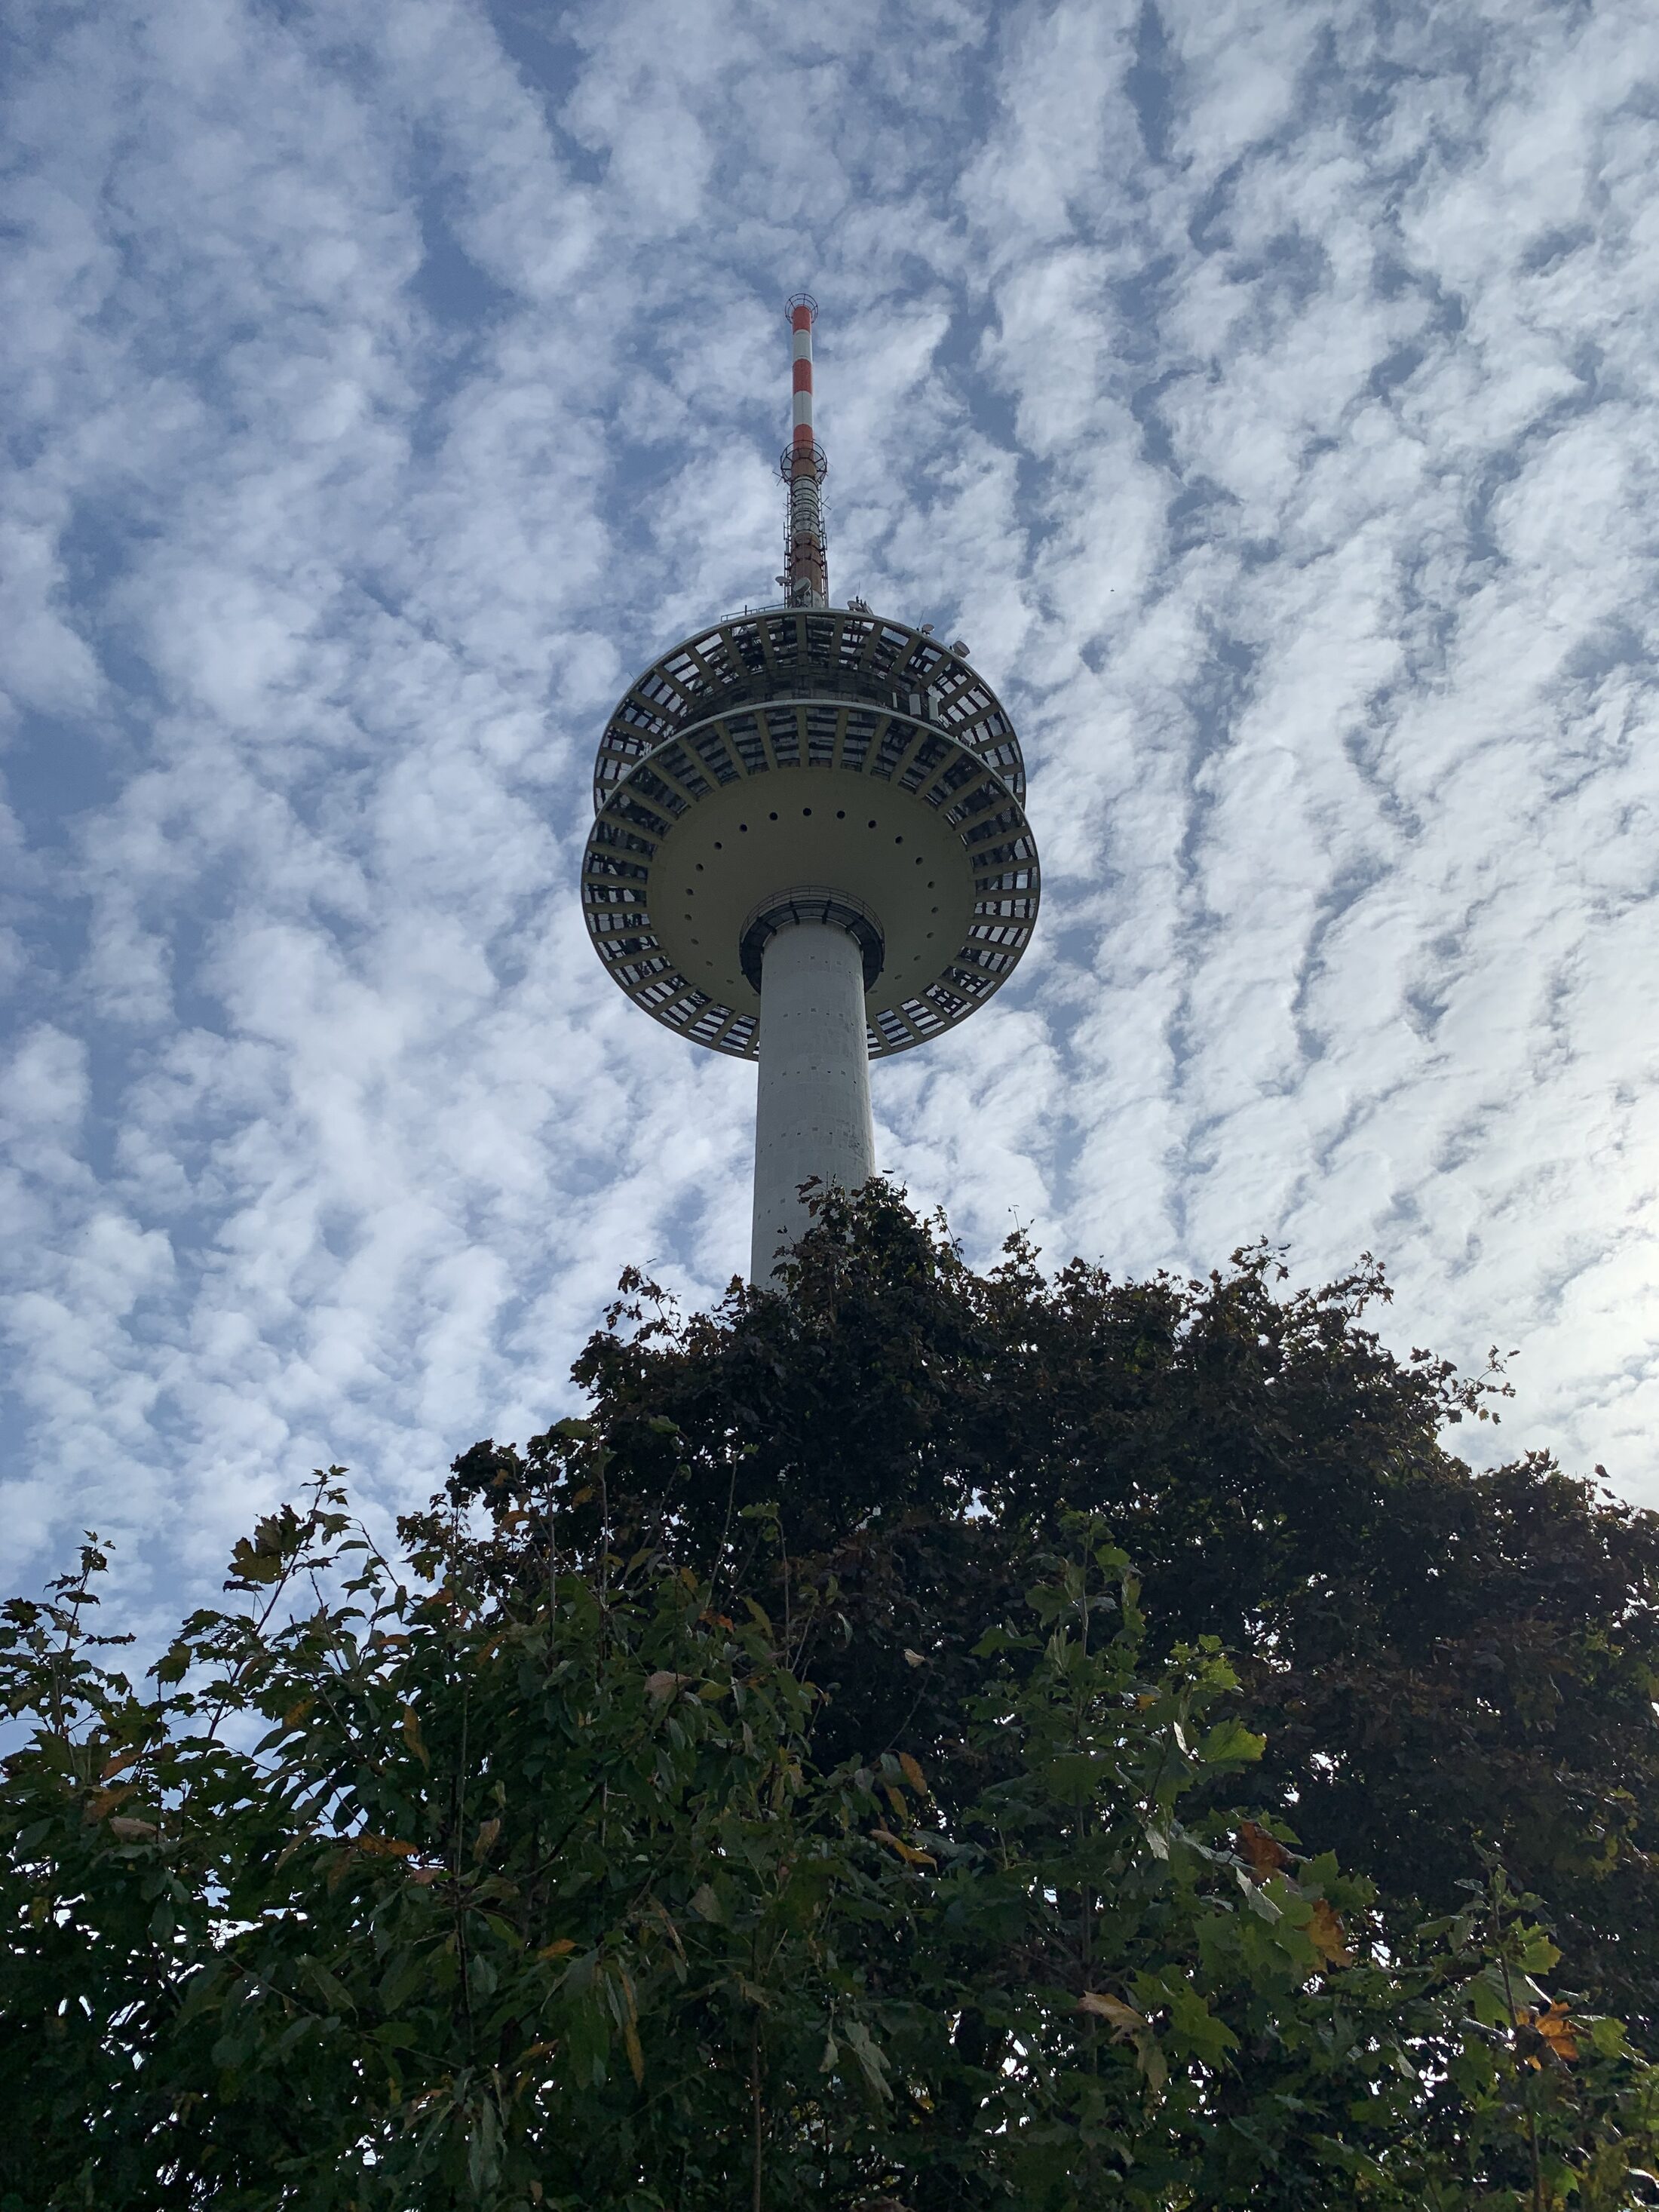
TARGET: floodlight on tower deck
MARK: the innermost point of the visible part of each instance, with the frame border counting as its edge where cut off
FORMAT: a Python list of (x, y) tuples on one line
[(809, 847)]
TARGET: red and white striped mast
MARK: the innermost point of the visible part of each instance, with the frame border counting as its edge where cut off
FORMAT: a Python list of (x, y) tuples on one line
[(806, 579)]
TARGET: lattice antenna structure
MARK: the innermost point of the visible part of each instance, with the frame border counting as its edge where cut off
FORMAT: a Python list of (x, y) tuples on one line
[(806, 577), (810, 848)]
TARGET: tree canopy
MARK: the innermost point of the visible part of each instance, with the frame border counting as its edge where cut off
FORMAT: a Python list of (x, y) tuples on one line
[(1439, 1656), (912, 1742)]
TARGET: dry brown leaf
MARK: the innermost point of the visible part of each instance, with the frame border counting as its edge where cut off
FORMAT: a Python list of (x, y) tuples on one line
[(561, 1949), (1124, 2019), (133, 1832), (1264, 1853), (912, 1774), (1554, 2029), (412, 1735), (1326, 1933), (384, 1847), (908, 1852), (102, 1802), (631, 2030), (665, 1684)]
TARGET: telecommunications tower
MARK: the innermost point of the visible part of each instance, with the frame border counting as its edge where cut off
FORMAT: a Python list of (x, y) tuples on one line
[(809, 847)]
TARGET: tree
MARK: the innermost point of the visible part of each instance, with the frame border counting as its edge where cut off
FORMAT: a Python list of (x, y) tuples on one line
[(608, 1849), (1440, 1657)]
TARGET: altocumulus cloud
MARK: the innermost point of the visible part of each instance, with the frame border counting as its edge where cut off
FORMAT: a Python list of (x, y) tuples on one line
[(1264, 391)]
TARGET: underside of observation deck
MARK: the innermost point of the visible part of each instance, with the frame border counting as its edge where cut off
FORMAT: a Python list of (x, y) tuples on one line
[(771, 786)]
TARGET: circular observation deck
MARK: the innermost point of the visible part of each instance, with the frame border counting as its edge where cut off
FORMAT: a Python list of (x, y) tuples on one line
[(786, 756)]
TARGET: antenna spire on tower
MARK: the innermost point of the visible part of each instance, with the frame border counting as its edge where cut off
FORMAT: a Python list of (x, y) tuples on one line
[(806, 579)]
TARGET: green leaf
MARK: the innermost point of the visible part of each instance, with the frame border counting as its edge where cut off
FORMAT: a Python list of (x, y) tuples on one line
[(1195, 2031), (1230, 1743), (872, 2066)]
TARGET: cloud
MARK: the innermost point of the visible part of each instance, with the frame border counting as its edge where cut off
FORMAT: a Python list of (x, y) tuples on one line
[(1264, 393)]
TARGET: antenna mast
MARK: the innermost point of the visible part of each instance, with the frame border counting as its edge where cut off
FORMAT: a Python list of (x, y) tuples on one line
[(806, 579)]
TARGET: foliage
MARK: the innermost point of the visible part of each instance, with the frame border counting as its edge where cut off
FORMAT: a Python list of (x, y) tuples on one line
[(1440, 1657), (785, 1792), (505, 1904), (503, 1876)]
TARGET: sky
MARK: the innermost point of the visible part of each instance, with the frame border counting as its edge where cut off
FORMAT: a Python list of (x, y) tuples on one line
[(1263, 388)]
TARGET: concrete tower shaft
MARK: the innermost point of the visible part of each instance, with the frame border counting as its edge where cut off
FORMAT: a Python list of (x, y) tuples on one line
[(812, 1103)]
